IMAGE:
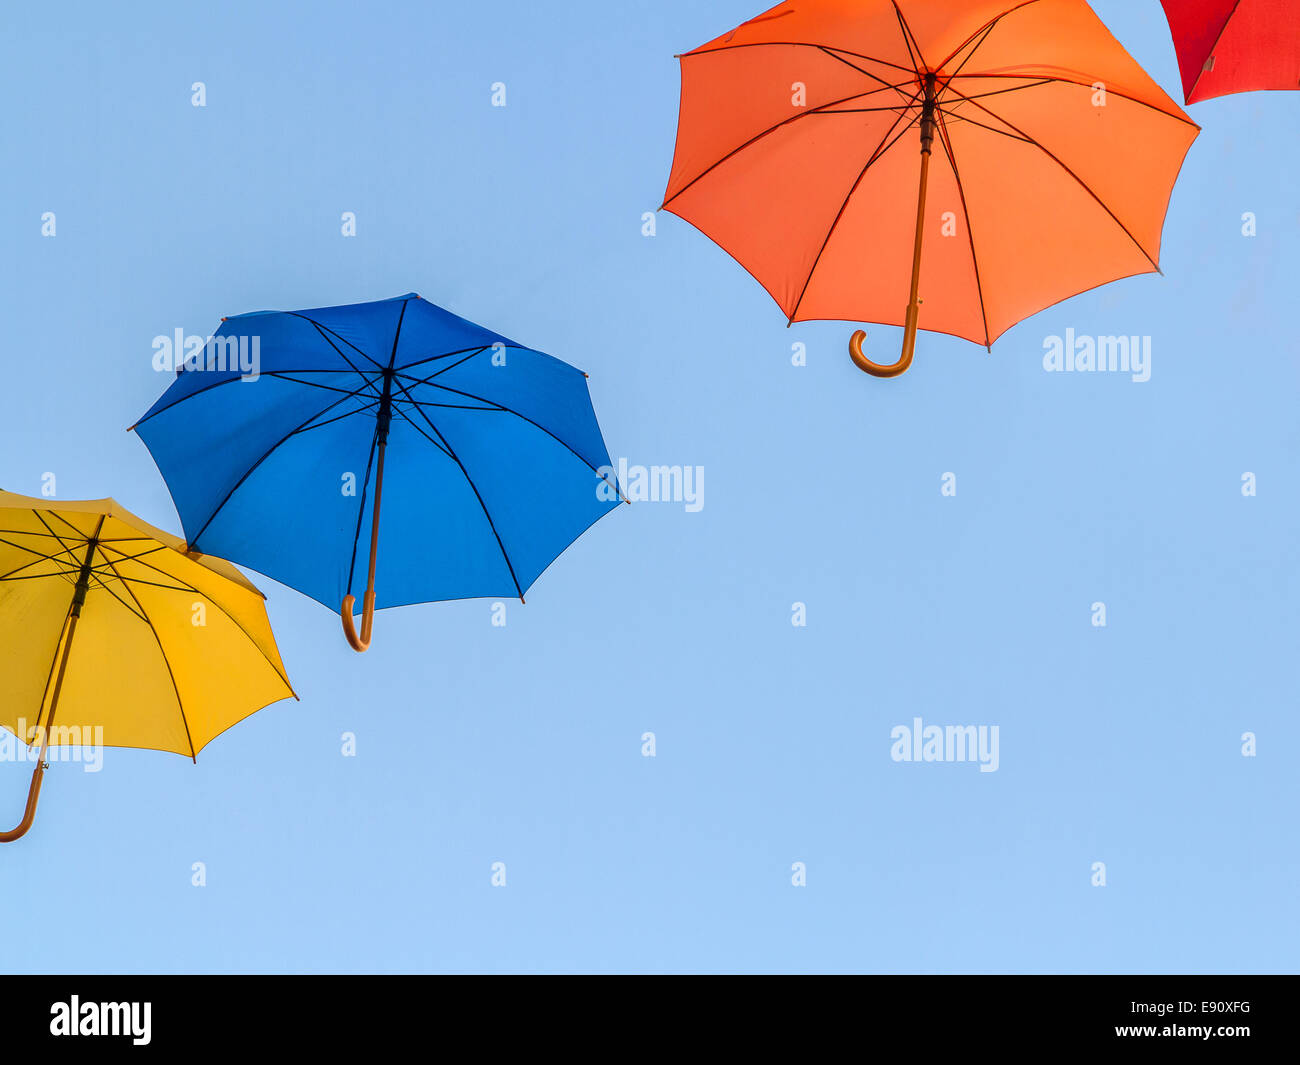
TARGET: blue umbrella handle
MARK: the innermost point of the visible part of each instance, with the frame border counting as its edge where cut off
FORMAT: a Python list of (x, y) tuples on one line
[(368, 614), (362, 642)]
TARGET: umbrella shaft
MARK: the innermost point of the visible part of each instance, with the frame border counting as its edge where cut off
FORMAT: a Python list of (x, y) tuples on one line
[(34, 790), (385, 418), (914, 299), (374, 519), (74, 615)]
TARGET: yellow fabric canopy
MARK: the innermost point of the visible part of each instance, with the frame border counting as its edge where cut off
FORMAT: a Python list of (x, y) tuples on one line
[(169, 649)]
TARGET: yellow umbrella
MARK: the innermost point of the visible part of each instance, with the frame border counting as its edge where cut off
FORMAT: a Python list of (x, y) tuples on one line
[(171, 647)]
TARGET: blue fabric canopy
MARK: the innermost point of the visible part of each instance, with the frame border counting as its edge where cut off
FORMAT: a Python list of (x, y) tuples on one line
[(492, 456)]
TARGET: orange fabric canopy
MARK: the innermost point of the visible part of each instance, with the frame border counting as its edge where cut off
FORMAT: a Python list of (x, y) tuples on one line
[(798, 151)]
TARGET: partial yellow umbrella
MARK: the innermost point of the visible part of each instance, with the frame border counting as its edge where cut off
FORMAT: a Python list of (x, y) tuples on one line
[(107, 623)]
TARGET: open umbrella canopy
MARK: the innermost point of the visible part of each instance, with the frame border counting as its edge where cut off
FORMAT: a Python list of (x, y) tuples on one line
[(1227, 46), (486, 454), (112, 629), (1054, 157)]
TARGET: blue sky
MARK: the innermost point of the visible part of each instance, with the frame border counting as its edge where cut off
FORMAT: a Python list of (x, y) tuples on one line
[(479, 744)]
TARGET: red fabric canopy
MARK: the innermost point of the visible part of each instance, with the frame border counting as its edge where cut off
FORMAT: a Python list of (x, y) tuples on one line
[(1227, 46)]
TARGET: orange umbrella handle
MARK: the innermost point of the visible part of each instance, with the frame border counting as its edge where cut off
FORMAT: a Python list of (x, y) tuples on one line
[(362, 642), (874, 368), (928, 124)]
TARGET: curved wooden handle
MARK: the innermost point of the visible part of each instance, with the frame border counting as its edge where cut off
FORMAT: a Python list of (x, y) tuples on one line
[(362, 642), (874, 368), (29, 814)]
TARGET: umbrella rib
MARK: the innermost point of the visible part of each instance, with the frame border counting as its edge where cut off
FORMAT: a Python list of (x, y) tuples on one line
[(985, 29), (185, 586), (283, 375), (41, 556), (909, 38), (898, 109), (429, 380), (252, 469), (156, 584), (279, 374), (970, 230), (979, 39), (881, 149), (1000, 132), (353, 367), (1082, 184), (798, 44), (131, 558), (36, 576), (324, 329), (471, 355), (494, 408), (510, 410), (407, 418), (874, 77), (461, 351), (339, 351), (1046, 78), (180, 586), (81, 536), (181, 399), (180, 703), (341, 417), (997, 92), (758, 137), (470, 480), (104, 585), (66, 548), (54, 536)]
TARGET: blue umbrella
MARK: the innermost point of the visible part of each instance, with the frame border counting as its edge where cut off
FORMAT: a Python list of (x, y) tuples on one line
[(280, 436)]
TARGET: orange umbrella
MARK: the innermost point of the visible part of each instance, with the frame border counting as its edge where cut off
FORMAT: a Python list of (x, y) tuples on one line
[(1046, 160)]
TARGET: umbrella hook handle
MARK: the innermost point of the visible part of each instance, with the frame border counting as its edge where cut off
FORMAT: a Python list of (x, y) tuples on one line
[(362, 642), (874, 368), (29, 813), (65, 637)]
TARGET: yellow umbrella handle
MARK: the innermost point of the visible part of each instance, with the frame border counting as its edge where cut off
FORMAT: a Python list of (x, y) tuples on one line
[(34, 790), (33, 793), (362, 642)]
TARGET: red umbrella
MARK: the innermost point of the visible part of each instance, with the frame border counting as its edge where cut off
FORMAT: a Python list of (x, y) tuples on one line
[(1227, 46)]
